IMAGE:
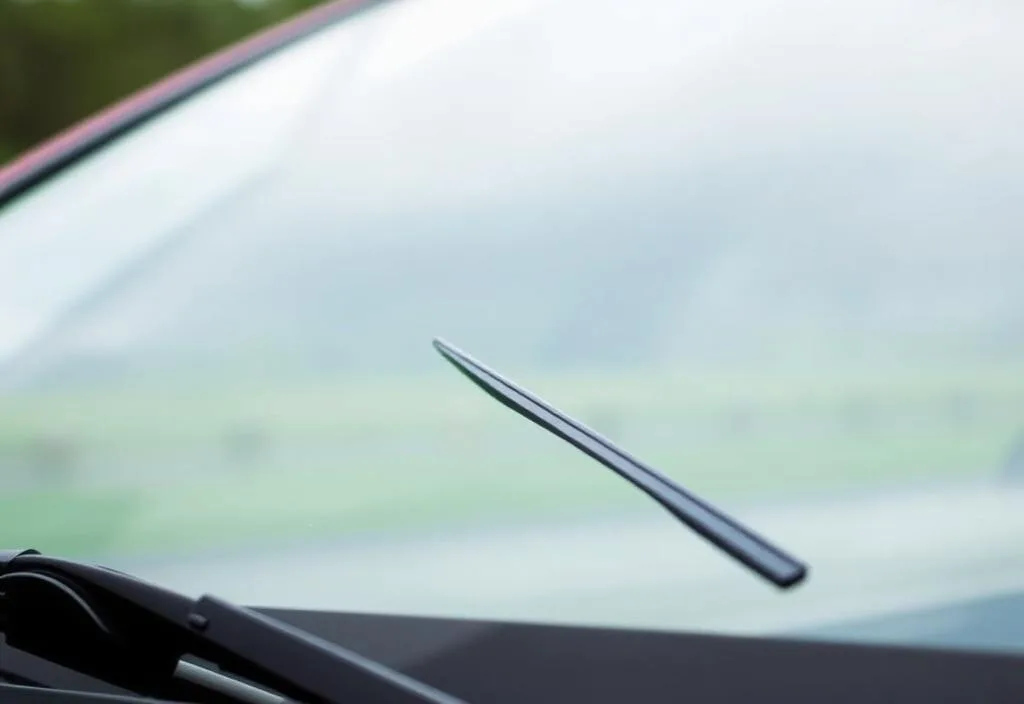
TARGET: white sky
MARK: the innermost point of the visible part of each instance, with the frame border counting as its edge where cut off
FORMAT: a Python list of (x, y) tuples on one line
[(463, 99)]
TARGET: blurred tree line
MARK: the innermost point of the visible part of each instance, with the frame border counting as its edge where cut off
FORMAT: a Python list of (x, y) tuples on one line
[(62, 60)]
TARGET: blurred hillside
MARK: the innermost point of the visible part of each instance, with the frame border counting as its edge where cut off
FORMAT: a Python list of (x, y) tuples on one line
[(822, 224), (61, 61)]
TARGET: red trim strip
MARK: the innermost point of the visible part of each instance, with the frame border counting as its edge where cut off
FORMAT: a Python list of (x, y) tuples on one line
[(64, 148)]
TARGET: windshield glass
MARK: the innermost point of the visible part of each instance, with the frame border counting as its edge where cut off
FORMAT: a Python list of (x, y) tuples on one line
[(772, 249)]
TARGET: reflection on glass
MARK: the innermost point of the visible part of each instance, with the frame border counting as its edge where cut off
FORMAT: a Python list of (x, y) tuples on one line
[(779, 259)]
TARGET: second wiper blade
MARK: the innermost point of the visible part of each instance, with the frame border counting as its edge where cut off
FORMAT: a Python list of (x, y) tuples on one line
[(723, 531)]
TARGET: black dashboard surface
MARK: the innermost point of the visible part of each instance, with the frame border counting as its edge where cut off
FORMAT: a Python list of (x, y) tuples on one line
[(505, 662), (502, 663)]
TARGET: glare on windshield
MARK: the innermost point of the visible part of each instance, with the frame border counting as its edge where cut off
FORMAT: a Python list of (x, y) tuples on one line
[(780, 259)]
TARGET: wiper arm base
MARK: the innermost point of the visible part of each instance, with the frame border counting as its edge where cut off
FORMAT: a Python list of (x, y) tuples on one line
[(133, 634)]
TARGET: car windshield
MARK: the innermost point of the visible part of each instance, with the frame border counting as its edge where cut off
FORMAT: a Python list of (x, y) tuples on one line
[(773, 249)]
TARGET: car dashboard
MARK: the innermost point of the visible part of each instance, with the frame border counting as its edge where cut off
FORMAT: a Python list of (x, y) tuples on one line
[(504, 662)]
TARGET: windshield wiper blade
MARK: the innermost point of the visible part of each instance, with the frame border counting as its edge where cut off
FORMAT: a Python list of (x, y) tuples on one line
[(133, 634), (726, 533)]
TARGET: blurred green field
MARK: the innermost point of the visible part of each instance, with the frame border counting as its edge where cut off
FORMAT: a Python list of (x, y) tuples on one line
[(176, 467)]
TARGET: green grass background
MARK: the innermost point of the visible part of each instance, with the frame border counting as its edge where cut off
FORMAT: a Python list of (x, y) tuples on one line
[(151, 468)]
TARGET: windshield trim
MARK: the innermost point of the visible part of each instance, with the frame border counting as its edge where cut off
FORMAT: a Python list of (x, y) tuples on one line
[(78, 141)]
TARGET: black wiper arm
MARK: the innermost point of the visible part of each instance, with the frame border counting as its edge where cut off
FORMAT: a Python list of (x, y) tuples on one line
[(133, 634), (725, 532)]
